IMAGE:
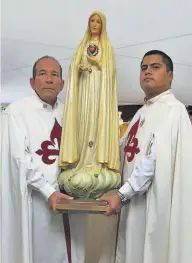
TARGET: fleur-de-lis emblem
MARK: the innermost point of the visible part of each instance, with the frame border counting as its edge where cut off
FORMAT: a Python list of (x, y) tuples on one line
[(131, 148), (51, 148)]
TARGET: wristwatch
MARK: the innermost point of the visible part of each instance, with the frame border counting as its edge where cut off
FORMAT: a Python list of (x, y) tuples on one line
[(123, 198)]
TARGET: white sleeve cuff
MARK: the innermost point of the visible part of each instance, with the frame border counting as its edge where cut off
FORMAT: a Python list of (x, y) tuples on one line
[(47, 190), (127, 190)]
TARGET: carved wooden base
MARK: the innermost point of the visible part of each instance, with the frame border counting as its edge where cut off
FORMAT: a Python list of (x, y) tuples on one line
[(82, 205)]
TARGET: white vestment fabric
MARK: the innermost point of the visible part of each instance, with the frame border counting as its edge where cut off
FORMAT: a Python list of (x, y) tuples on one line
[(30, 231), (156, 226)]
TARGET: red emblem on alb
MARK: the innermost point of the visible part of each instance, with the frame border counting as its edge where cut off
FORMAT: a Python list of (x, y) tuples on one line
[(131, 148), (51, 148)]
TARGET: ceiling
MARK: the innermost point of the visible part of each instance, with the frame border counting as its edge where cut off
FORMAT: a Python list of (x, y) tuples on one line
[(33, 28)]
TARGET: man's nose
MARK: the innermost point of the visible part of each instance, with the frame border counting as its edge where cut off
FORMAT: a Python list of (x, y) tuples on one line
[(148, 70), (49, 79)]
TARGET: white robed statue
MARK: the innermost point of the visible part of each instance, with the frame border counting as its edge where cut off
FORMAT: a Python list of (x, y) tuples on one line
[(89, 150)]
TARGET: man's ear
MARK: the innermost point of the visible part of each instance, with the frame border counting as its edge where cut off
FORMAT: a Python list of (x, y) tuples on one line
[(32, 82), (62, 84), (170, 76)]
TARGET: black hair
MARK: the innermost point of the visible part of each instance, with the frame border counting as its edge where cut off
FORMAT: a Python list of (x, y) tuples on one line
[(166, 59)]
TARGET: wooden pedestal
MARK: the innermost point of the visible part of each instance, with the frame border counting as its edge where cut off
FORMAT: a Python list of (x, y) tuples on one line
[(82, 205)]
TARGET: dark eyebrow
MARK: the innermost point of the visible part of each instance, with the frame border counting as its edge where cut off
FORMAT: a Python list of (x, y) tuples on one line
[(144, 66), (42, 70), (54, 71), (153, 64), (156, 63)]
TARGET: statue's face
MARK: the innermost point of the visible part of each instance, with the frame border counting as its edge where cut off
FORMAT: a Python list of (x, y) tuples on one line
[(95, 24)]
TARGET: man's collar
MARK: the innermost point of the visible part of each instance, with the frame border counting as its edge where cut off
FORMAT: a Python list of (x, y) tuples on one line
[(154, 99), (45, 105)]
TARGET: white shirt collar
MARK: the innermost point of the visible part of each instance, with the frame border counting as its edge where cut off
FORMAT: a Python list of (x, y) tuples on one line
[(154, 99), (44, 104)]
